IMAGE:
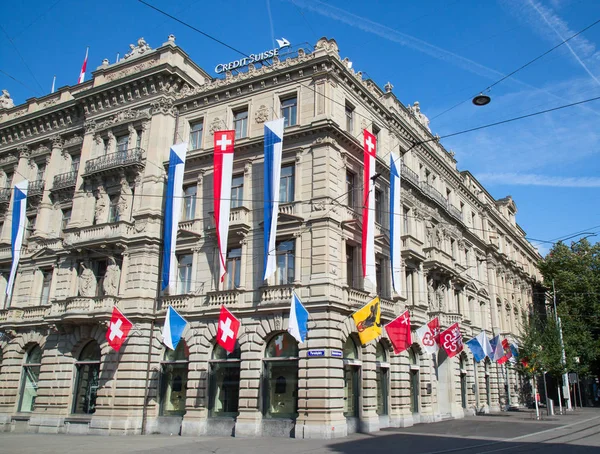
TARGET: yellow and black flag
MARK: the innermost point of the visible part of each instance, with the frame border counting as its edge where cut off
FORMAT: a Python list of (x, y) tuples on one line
[(368, 321)]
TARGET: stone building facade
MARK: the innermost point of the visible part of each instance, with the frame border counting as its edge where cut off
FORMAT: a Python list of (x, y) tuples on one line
[(96, 156)]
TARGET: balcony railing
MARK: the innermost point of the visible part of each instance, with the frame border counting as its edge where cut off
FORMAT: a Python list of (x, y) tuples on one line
[(64, 180), (80, 304), (100, 233), (35, 188), (410, 175), (276, 293), (133, 157), (226, 297), (24, 314)]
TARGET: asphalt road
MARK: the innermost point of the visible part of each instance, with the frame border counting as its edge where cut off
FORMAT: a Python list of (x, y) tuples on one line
[(576, 433)]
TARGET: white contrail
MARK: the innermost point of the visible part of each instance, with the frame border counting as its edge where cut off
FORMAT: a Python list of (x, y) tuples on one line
[(529, 179), (271, 22), (583, 65)]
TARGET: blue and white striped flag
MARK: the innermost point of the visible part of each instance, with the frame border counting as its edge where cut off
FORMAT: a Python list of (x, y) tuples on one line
[(273, 150), (19, 220), (174, 327), (480, 347), (172, 215), (395, 223), (298, 325)]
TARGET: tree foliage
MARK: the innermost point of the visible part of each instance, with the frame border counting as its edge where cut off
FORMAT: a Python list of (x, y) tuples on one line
[(575, 271)]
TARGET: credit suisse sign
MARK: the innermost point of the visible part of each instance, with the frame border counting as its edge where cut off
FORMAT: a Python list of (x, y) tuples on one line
[(252, 58)]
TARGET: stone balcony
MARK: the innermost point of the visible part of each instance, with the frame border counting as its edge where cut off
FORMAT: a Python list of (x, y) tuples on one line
[(276, 294), (24, 315), (355, 298), (132, 159), (412, 247), (410, 175), (36, 188), (436, 258), (80, 307), (102, 233), (64, 181), (239, 220), (290, 211)]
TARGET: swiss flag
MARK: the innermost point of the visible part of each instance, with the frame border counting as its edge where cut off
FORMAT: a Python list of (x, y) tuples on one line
[(451, 341), (228, 330), (434, 327), (118, 329), (398, 331), (507, 352)]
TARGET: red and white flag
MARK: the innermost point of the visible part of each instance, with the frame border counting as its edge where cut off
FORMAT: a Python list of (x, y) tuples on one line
[(82, 72), (398, 330), (368, 221), (429, 336), (223, 162), (507, 352), (451, 340), (118, 329), (227, 332)]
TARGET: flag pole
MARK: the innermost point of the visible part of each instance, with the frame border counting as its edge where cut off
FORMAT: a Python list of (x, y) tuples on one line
[(53, 83)]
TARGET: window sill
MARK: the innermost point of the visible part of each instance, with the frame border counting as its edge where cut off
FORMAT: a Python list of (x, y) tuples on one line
[(21, 417), (79, 419)]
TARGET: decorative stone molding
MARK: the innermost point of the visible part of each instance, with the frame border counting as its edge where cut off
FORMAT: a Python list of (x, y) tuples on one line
[(5, 100), (164, 106), (262, 114), (132, 70), (23, 152), (89, 126), (216, 125), (123, 116), (57, 142)]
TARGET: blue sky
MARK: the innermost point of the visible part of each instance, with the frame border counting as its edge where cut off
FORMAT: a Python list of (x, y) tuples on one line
[(439, 52)]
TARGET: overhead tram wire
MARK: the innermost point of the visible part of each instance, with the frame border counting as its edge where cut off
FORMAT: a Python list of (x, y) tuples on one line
[(487, 89), (417, 143), (21, 57)]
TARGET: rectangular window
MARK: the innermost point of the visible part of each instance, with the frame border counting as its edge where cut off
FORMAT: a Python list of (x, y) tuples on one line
[(66, 217), (113, 209), (405, 215), (184, 274), (351, 188), (98, 267), (379, 277), (285, 262), (378, 206), (196, 130), (189, 202), (237, 191), (30, 229), (286, 185), (46, 283), (40, 172), (376, 130), (240, 123), (234, 264), (138, 140), (349, 118), (122, 144), (289, 111), (350, 251), (75, 159)]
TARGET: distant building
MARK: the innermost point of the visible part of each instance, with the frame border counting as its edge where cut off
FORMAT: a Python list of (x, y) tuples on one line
[(96, 155)]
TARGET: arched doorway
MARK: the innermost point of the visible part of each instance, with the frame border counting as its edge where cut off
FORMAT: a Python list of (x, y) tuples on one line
[(173, 380), (224, 383), (88, 372), (281, 377), (29, 381), (382, 375), (414, 380)]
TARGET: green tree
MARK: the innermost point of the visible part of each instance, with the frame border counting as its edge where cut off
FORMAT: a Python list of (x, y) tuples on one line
[(575, 271)]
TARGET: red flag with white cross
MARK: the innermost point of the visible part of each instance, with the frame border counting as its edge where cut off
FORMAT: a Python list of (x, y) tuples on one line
[(118, 329), (279, 344), (227, 331), (398, 331), (451, 340)]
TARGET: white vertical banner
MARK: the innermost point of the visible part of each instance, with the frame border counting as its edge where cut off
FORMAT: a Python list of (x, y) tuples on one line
[(395, 222), (368, 221), (223, 174), (273, 151), (174, 199), (19, 221)]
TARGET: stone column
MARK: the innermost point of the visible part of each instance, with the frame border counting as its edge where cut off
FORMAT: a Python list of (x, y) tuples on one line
[(45, 223), (249, 420), (243, 262), (124, 271), (492, 291), (422, 286), (369, 420), (83, 199)]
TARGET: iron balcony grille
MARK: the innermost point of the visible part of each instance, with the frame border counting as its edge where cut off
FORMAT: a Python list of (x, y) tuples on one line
[(65, 180), (35, 188), (131, 157)]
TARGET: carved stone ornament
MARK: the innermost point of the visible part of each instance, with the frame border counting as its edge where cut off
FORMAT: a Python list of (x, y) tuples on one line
[(163, 105), (262, 114), (57, 141), (415, 110), (87, 281), (23, 151), (89, 126), (216, 125), (136, 51), (111, 278), (5, 100)]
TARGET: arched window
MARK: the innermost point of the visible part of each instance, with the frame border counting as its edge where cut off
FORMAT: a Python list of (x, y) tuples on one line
[(224, 383), (351, 382), (173, 381), (415, 385), (381, 379), (88, 372), (29, 381), (281, 377)]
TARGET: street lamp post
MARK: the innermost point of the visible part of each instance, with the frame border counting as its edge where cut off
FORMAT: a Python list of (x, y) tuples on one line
[(565, 377)]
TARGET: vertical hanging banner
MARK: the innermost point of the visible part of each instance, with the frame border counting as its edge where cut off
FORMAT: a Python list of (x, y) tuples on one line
[(368, 227), (19, 220), (273, 150), (83, 67), (395, 223), (223, 162), (172, 214)]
